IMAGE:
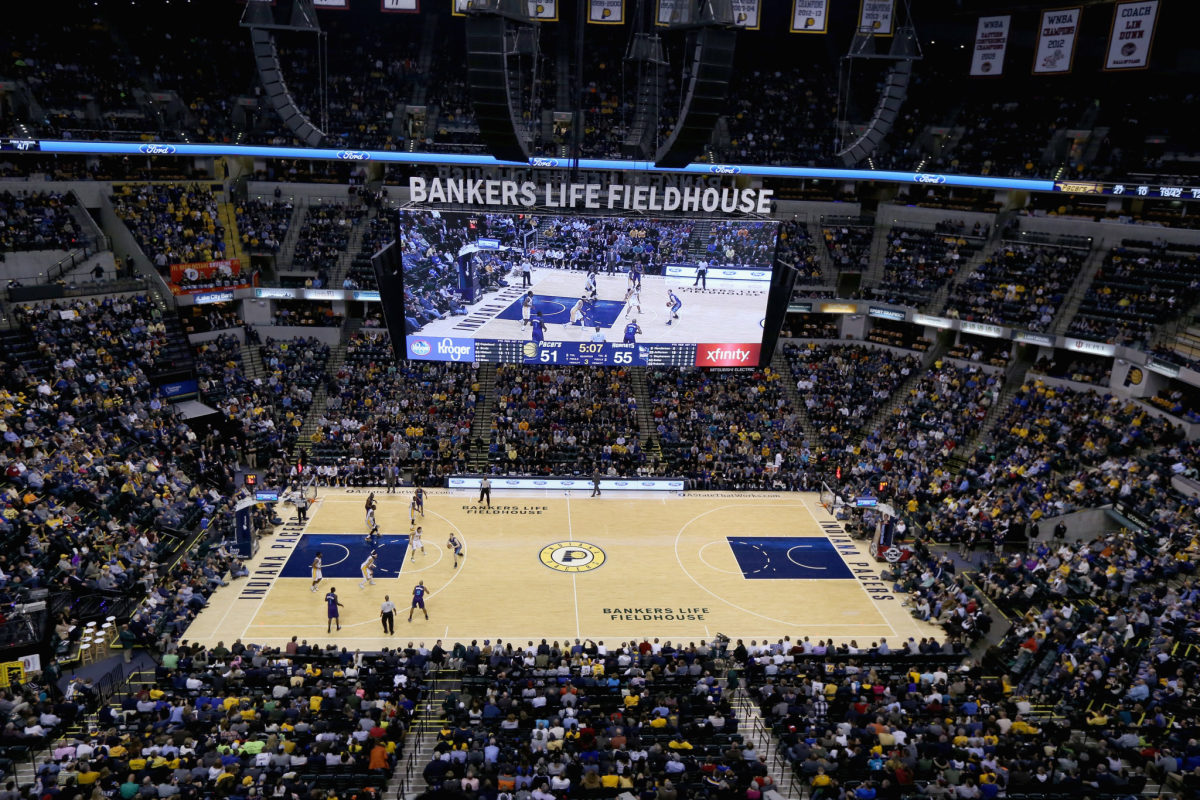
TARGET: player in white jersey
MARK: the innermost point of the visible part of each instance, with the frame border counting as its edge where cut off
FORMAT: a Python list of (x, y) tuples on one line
[(368, 572), (633, 297), (526, 309), (577, 313), (415, 543), (316, 571)]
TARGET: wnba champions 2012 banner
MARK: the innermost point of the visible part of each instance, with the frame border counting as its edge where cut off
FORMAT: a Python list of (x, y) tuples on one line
[(606, 12), (1055, 50), (810, 16), (747, 14), (401, 6), (877, 16), (1131, 36), (991, 42)]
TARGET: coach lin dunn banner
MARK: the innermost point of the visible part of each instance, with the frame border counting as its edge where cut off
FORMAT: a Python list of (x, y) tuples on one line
[(991, 43), (1131, 36), (810, 16), (877, 16), (606, 12), (1055, 52)]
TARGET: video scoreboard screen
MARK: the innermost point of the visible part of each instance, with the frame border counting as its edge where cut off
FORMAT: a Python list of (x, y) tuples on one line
[(573, 290)]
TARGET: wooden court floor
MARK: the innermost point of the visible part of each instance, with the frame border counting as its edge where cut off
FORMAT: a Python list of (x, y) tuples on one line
[(557, 566)]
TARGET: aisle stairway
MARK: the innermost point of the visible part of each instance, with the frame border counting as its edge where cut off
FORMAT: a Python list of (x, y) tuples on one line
[(647, 429), (754, 731), (481, 424), (442, 691), (779, 364)]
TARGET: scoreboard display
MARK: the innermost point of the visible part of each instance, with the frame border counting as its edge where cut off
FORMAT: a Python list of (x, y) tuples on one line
[(577, 290)]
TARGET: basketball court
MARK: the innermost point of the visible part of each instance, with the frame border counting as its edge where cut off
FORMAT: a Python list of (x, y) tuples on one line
[(544, 564), (727, 311)]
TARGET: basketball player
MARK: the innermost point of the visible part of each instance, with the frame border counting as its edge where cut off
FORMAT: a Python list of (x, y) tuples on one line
[(420, 498), (414, 507), (331, 608), (373, 537), (455, 545), (539, 328), (316, 571), (418, 600), (526, 309), (633, 297), (631, 332), (577, 313), (370, 510), (368, 571), (673, 303), (415, 543), (635, 274), (598, 336)]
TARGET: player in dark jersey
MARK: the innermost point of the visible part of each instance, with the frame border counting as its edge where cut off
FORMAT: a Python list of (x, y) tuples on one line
[(456, 547), (631, 332), (418, 600), (539, 328), (332, 604)]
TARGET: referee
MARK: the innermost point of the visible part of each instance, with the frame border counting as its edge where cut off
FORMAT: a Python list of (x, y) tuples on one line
[(702, 275), (485, 492), (387, 613)]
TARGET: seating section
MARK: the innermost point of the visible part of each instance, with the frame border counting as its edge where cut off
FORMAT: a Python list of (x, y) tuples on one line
[(564, 421), (1020, 285), (173, 224), (1140, 286), (843, 387), (728, 430), (416, 415), (37, 221), (919, 262), (797, 250), (263, 224), (849, 245), (324, 236)]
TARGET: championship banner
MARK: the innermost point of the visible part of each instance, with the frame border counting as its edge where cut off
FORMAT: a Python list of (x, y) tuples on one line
[(458, 8), (991, 42), (747, 14), (670, 12), (877, 15), (1055, 52), (544, 10), (606, 12), (1131, 36), (810, 16), (339, 5), (400, 6)]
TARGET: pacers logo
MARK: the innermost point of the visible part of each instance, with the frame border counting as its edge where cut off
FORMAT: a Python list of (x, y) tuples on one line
[(572, 556)]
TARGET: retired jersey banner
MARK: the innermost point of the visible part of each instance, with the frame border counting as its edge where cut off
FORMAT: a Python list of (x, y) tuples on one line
[(1055, 52), (458, 8), (810, 16), (401, 6), (1132, 35), (747, 14), (606, 12), (545, 10), (340, 5), (877, 15), (991, 42)]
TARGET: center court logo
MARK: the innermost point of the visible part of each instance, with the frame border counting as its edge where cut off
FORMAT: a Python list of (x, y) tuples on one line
[(572, 556)]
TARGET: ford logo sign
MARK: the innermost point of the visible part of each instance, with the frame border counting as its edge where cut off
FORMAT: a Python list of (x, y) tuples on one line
[(647, 483), (157, 149), (540, 483), (724, 169), (622, 483), (543, 162), (352, 155), (922, 178)]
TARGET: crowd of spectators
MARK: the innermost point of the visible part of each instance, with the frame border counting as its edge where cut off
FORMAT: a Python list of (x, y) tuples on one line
[(304, 314), (612, 244), (173, 223), (263, 224), (324, 236), (919, 262), (843, 387), (1140, 285), (849, 245), (412, 418), (796, 249), (37, 221), (564, 420), (1021, 285), (729, 430)]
